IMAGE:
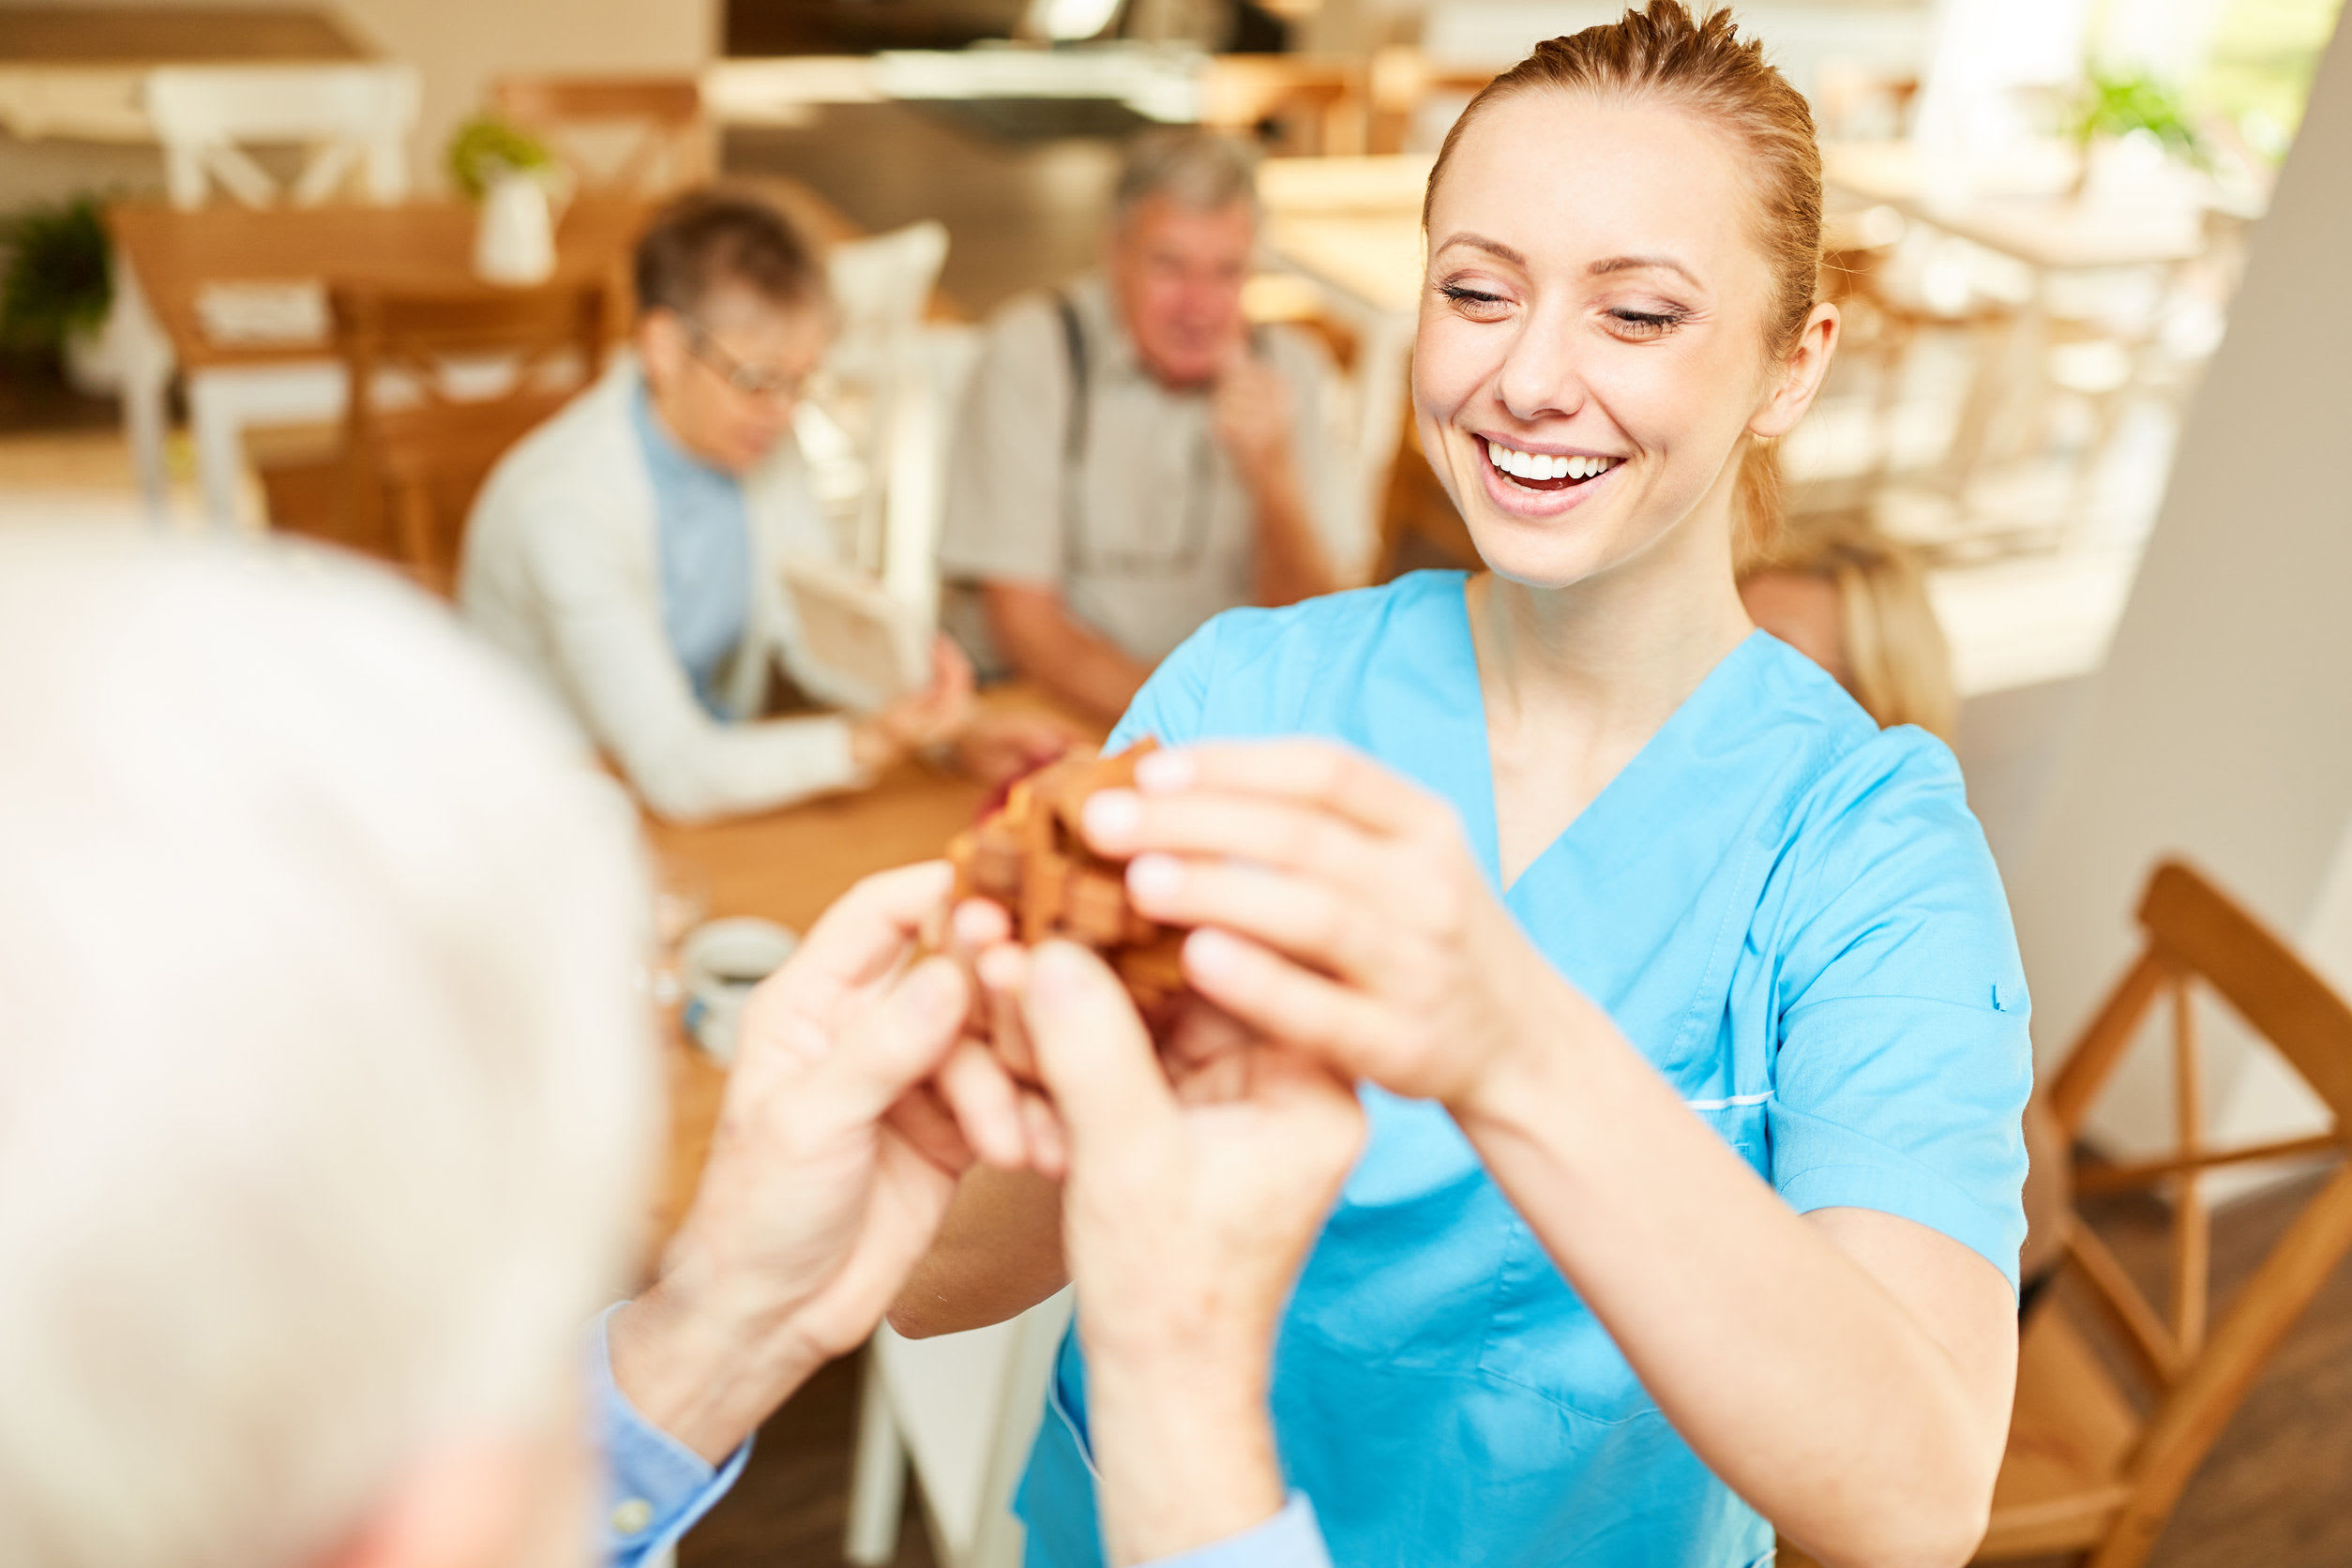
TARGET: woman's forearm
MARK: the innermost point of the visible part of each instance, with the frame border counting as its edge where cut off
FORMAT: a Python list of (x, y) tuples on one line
[(998, 1253), (1787, 1367)]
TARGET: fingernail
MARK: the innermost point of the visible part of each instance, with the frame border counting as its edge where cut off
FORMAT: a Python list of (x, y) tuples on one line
[(1056, 973), (1113, 816), (1155, 878), (1164, 772), (1212, 953)]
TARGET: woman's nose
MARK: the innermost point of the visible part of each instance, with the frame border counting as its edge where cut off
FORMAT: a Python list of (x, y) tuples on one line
[(1540, 377)]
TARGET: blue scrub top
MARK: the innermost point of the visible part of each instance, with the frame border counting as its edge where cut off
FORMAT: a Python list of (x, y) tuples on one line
[(1790, 912)]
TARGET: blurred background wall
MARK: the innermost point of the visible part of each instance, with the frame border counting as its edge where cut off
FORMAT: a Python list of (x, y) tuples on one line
[(2221, 725)]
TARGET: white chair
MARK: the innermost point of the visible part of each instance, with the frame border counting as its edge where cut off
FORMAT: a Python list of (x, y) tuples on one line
[(353, 123), (961, 1413), (881, 379)]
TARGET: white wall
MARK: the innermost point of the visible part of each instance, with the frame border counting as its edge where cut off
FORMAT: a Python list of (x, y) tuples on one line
[(2221, 725)]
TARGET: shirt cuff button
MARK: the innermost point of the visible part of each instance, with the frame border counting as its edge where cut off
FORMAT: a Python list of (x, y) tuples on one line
[(631, 1517)]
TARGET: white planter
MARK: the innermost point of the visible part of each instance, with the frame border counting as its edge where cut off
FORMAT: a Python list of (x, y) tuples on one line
[(94, 358), (514, 240)]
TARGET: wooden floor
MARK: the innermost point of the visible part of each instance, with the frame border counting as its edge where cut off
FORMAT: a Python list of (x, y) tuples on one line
[(2276, 1493)]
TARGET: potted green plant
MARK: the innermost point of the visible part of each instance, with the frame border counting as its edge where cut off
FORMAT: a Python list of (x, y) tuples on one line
[(2116, 108), (517, 182), (57, 288)]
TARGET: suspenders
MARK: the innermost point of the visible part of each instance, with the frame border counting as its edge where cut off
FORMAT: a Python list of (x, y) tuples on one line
[(1078, 552)]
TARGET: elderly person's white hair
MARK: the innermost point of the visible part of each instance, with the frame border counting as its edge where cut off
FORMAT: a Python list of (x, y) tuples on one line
[(325, 1080)]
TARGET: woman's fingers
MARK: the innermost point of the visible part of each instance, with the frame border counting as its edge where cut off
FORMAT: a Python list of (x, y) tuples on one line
[(1303, 916), (1290, 1005), (1318, 773), (1295, 835)]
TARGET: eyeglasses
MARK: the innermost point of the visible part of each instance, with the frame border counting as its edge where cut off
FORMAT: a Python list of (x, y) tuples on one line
[(752, 381)]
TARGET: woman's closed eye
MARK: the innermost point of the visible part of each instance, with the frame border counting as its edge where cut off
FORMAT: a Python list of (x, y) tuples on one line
[(1477, 304), (1637, 324)]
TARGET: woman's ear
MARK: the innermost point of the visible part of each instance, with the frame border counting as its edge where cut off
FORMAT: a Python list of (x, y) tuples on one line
[(1801, 375)]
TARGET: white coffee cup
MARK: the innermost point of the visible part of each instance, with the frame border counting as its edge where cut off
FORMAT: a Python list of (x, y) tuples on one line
[(721, 962)]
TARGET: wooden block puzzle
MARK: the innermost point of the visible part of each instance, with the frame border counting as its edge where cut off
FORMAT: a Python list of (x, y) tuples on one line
[(1031, 857)]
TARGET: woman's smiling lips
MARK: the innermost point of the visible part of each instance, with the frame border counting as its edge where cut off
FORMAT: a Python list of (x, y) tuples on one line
[(1539, 484)]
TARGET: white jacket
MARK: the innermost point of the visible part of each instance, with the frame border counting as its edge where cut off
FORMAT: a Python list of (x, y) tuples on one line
[(562, 569)]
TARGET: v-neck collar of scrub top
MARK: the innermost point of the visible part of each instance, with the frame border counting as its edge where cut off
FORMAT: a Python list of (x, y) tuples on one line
[(1446, 704)]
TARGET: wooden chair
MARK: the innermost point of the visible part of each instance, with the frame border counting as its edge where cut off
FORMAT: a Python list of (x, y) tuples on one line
[(2085, 1472), (352, 122), (442, 384), (629, 135), (1312, 107)]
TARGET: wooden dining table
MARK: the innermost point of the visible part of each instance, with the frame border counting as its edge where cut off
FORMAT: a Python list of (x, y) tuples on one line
[(176, 269)]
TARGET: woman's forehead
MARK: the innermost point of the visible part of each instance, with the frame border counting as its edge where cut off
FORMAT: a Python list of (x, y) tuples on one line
[(1567, 180)]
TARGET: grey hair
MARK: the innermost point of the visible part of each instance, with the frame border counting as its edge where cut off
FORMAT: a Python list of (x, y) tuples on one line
[(1197, 170), (327, 1077)]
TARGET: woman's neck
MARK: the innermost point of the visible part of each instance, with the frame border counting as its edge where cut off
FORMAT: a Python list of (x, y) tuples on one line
[(1576, 680), (1621, 651)]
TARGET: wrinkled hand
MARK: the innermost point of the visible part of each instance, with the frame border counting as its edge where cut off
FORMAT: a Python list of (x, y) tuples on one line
[(999, 748), (1253, 413), (1189, 1204), (937, 714), (854, 1106), (1187, 1212), (1343, 913)]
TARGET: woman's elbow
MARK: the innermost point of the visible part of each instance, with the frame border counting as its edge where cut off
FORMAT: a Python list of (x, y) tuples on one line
[(1941, 1530)]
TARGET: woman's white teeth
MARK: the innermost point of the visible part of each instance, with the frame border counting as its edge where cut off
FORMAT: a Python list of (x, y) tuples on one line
[(1537, 465)]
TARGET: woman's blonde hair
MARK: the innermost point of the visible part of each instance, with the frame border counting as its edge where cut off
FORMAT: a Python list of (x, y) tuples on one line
[(1661, 51), (1899, 666)]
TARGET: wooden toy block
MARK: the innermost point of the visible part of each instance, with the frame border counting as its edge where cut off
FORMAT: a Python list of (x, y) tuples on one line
[(1031, 857)]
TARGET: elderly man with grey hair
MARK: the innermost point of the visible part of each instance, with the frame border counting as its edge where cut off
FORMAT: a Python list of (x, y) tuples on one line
[(1135, 458), (329, 1092)]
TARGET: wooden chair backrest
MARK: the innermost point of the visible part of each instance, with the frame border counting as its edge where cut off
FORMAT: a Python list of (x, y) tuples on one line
[(420, 435), (665, 136), (1315, 107), (2199, 1367), (351, 120)]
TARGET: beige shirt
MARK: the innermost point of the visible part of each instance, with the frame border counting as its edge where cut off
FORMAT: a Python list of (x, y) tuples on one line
[(1149, 532)]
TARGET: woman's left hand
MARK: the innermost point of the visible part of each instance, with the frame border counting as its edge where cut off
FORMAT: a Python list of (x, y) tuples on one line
[(1340, 911)]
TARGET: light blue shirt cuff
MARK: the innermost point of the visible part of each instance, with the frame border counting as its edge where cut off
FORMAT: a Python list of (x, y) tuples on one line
[(1292, 1539), (656, 1487)]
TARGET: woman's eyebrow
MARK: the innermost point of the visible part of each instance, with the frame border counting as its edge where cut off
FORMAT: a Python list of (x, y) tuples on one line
[(1630, 264), (1494, 248)]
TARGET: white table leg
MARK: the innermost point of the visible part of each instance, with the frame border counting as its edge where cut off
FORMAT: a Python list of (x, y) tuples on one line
[(878, 1475), (223, 401)]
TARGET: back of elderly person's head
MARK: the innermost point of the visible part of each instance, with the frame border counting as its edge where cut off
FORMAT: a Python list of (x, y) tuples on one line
[(324, 1076), (1198, 171)]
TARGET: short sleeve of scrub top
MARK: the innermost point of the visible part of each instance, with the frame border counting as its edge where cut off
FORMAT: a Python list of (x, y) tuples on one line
[(1794, 918)]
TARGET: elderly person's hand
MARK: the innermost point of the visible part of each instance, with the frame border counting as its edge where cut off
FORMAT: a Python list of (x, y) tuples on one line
[(996, 748), (1341, 911), (935, 716), (1187, 1210), (1252, 410), (854, 1106)]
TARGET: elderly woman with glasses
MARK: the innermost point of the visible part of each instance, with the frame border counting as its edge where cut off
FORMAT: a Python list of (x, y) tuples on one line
[(627, 552)]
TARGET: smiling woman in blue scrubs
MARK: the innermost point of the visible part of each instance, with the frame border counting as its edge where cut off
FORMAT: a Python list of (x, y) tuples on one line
[(1691, 1015)]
